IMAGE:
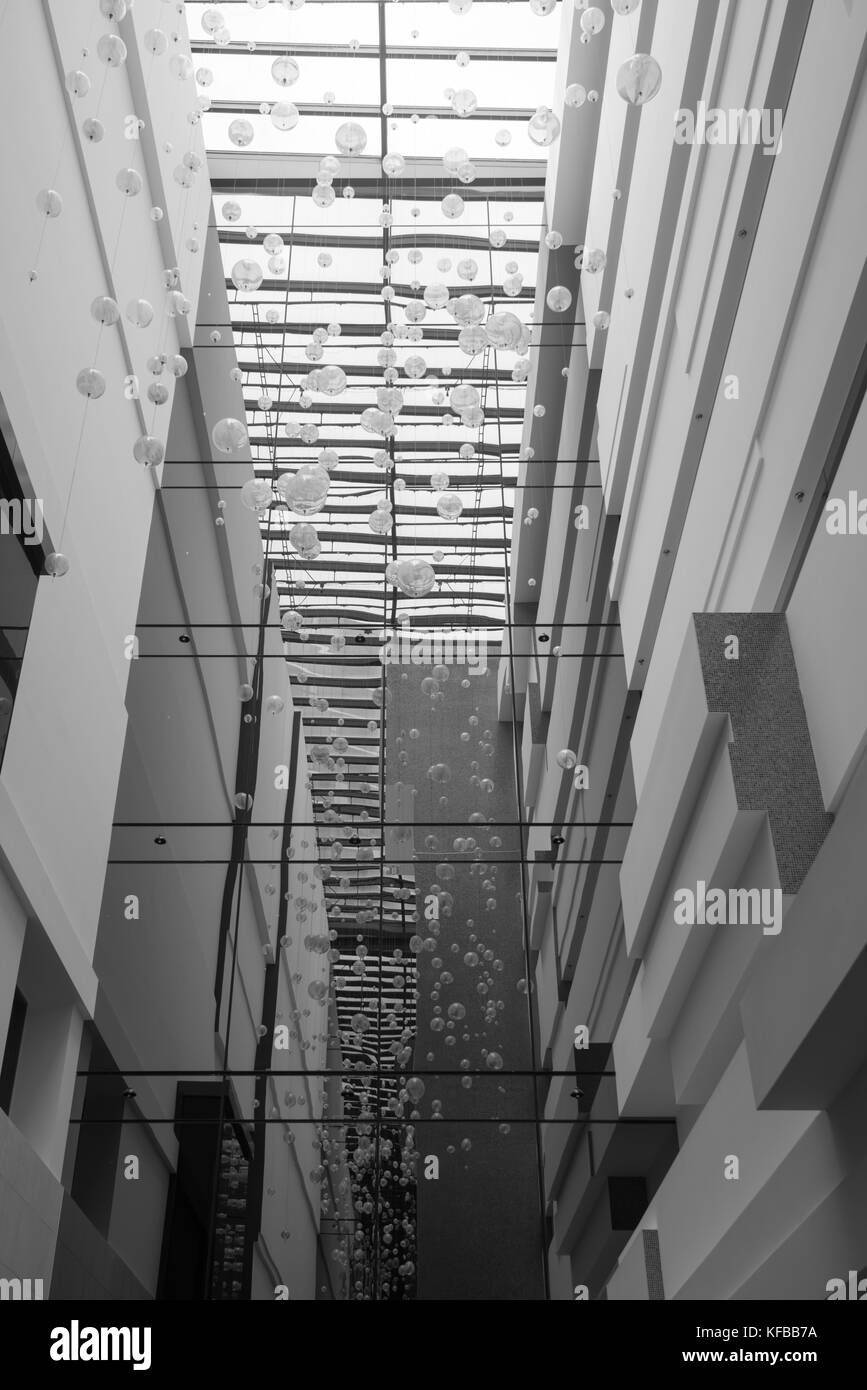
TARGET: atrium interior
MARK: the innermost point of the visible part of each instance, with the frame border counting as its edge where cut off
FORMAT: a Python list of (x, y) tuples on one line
[(431, 780)]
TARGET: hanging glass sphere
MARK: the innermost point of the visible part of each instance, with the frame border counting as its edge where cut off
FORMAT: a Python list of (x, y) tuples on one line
[(105, 310), (414, 367), (285, 115), (389, 398), (139, 313), (331, 381), (56, 564), (273, 244), (181, 66), (413, 576), (566, 759), (213, 22), (503, 137), (543, 126), (472, 339), (285, 71), (77, 83), (463, 396), (247, 275), (148, 451), (114, 10), (91, 383), (453, 158), (575, 95), (512, 285), (464, 102), (304, 491), (228, 436), (460, 6), (323, 196), (393, 165), (593, 261), (449, 506), (543, 7), (350, 138), (639, 79), (241, 133), (601, 320), (256, 494), (377, 422), (129, 181), (49, 202), (498, 238), (452, 205), (380, 521), (467, 269), (302, 537), (558, 299), (504, 330), (111, 50), (231, 211), (624, 7), (436, 296), (468, 309), (204, 77), (93, 130), (592, 20)]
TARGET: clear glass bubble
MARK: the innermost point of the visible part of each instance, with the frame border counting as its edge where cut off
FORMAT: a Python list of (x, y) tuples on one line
[(228, 436), (148, 451), (111, 50), (241, 133), (304, 491), (350, 138), (91, 383), (285, 115), (139, 313), (77, 83), (49, 202), (285, 71), (543, 126), (558, 299), (56, 564), (592, 20), (105, 310), (464, 102), (129, 182), (639, 79)]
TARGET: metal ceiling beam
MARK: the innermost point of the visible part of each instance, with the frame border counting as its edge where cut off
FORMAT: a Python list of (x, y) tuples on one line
[(274, 47)]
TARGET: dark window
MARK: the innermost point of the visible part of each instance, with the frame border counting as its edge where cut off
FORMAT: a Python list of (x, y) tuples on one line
[(13, 1050), (96, 1157), (22, 558)]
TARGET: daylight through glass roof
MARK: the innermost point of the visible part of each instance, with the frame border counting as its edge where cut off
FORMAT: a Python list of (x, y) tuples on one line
[(380, 204)]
